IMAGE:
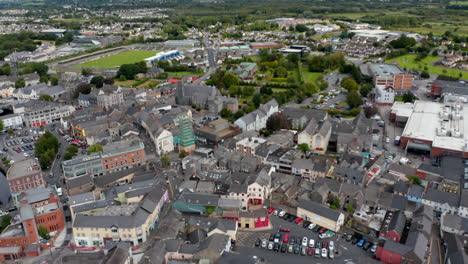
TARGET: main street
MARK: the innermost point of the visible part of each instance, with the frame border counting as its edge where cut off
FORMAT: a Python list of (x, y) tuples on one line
[(211, 60)]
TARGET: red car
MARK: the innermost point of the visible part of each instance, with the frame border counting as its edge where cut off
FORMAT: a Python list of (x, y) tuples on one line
[(282, 229), (322, 230), (286, 238), (310, 251), (270, 210), (324, 244), (298, 220)]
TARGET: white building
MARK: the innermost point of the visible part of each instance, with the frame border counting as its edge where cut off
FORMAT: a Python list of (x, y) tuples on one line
[(164, 142), (249, 145), (316, 135), (12, 121), (37, 113), (319, 28), (384, 95), (257, 119), (441, 201)]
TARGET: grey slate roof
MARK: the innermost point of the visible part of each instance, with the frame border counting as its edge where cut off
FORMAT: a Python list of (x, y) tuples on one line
[(442, 197), (401, 187), (416, 191), (319, 209)]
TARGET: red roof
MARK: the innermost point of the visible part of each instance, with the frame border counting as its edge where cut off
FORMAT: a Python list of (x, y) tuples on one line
[(173, 80)]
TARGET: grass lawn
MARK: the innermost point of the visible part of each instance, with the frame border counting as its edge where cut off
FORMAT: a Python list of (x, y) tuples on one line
[(127, 83), (311, 77), (182, 73), (407, 61), (460, 3), (126, 57)]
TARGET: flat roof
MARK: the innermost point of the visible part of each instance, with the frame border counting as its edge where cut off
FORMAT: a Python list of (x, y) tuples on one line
[(384, 70), (23, 167), (441, 124), (402, 109)]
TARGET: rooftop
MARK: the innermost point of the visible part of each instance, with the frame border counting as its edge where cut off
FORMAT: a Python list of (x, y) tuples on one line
[(22, 168), (384, 70)]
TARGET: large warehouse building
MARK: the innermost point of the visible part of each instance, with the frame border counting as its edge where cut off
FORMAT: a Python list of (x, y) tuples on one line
[(435, 128)]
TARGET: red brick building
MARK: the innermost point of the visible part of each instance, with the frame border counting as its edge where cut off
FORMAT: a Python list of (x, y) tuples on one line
[(25, 175), (38, 207)]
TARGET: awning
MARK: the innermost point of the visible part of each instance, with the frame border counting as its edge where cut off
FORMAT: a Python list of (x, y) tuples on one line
[(418, 146)]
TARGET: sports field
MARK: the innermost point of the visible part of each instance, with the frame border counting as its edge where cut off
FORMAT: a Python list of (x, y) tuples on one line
[(407, 61), (126, 57)]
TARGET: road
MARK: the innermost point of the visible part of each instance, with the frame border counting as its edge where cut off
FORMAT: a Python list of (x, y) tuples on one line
[(54, 174), (211, 60)]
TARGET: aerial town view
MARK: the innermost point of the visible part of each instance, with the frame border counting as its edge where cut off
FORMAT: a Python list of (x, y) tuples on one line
[(233, 132)]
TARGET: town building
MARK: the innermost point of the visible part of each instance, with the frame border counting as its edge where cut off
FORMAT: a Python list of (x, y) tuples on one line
[(118, 156), (384, 95), (440, 88), (106, 97), (24, 175), (37, 113), (320, 215), (436, 128), (12, 121), (246, 71), (186, 136), (316, 135), (249, 145), (257, 119), (390, 75), (130, 220), (216, 131)]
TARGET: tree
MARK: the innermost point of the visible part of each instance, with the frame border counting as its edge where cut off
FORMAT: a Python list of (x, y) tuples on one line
[(108, 81), (84, 88), (225, 113), (165, 161), (182, 154), (350, 208), (425, 74), (257, 100), (365, 89), (5, 69), (301, 28), (281, 72), (349, 84), (414, 179), (94, 148), (130, 70), (46, 97), (370, 111), (278, 121), (353, 99), (53, 80), (2, 127), (335, 204), (303, 147), (43, 233), (46, 148), (435, 53), (408, 98), (229, 79), (85, 72), (98, 81), (20, 83)]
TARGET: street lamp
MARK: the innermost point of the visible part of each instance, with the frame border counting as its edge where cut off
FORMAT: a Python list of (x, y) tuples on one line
[(50, 250)]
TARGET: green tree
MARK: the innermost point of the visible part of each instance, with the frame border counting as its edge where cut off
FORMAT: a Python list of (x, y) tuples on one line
[(350, 208), (43, 233), (425, 74), (5, 69), (98, 81), (53, 80), (85, 72), (182, 154), (165, 161), (303, 147), (94, 148), (20, 83), (353, 99), (414, 179), (209, 209), (278, 121), (2, 127), (349, 84), (435, 53), (301, 28), (229, 79), (225, 113), (335, 204), (281, 72), (408, 98), (46, 148), (46, 97)]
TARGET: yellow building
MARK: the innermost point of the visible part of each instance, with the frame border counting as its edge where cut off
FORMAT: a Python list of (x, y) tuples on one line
[(129, 220), (320, 215)]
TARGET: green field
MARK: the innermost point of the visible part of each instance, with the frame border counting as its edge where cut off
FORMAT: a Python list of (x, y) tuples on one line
[(115, 60), (311, 77), (460, 3), (407, 61)]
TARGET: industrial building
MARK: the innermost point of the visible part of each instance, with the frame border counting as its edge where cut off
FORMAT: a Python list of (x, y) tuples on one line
[(389, 75), (433, 128)]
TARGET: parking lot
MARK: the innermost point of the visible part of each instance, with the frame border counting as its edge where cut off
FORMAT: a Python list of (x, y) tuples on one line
[(343, 251), (20, 144)]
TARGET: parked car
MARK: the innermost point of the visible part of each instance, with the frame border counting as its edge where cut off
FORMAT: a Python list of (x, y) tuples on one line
[(306, 224), (316, 229), (286, 238), (311, 226), (284, 248), (322, 230), (258, 242), (303, 251), (286, 216), (361, 242), (292, 240), (290, 248), (298, 220), (311, 243), (367, 245), (282, 229), (324, 244), (270, 245), (373, 249), (277, 237), (270, 210), (355, 240), (317, 253), (264, 243), (310, 251), (272, 237), (318, 244), (275, 212), (331, 246), (276, 247), (324, 252), (331, 254), (349, 237), (292, 218), (282, 213), (305, 241), (296, 249)]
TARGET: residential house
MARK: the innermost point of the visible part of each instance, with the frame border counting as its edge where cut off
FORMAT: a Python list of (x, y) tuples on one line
[(257, 119), (301, 117), (443, 202), (454, 224), (316, 135), (12, 121), (393, 226), (107, 96)]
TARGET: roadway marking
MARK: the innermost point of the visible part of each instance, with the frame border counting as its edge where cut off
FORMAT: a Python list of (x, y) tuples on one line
[(345, 248)]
